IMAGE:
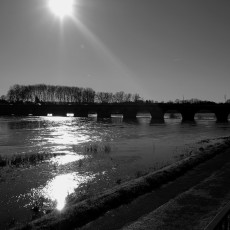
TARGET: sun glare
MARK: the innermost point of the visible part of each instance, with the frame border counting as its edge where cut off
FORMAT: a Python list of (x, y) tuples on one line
[(61, 8), (58, 188)]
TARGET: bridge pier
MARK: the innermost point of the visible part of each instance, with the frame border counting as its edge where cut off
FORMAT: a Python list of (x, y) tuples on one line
[(20, 111), (222, 116), (129, 114), (188, 115), (59, 114), (38, 110), (81, 113), (5, 110), (103, 114), (39, 113), (157, 114)]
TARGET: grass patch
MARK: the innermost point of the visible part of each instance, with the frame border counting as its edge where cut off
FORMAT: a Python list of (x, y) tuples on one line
[(25, 159), (95, 148), (182, 153)]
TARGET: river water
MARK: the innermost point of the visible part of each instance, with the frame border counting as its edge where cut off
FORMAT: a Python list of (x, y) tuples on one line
[(98, 154)]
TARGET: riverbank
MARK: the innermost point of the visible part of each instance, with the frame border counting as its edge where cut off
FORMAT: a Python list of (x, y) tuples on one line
[(195, 208), (76, 215)]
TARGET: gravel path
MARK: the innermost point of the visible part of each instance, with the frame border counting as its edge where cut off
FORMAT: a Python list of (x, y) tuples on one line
[(193, 209)]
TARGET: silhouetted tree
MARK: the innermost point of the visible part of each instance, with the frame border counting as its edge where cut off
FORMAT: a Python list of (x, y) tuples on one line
[(65, 94), (3, 98), (136, 97), (49, 93)]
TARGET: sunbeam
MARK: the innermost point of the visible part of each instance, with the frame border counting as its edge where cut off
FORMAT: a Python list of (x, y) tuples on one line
[(70, 10), (98, 45)]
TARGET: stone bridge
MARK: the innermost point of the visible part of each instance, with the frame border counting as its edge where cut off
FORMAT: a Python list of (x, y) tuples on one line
[(128, 110), (188, 111)]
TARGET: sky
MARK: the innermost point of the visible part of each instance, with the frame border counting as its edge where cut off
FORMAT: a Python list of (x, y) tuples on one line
[(162, 49)]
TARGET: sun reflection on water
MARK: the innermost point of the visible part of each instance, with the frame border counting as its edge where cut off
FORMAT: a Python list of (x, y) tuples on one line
[(58, 188), (62, 160), (66, 131), (67, 137), (64, 135)]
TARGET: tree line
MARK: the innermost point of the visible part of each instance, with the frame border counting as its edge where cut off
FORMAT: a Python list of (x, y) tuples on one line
[(42, 93)]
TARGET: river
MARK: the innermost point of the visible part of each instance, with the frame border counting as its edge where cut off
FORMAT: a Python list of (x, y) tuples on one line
[(98, 154)]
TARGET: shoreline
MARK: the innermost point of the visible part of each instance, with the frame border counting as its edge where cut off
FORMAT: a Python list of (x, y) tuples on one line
[(79, 214), (194, 207)]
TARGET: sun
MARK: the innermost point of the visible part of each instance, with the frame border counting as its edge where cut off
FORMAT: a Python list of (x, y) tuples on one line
[(62, 8)]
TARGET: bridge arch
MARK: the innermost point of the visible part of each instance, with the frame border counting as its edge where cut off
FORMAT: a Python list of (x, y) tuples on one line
[(187, 111), (204, 114), (143, 114), (172, 114)]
